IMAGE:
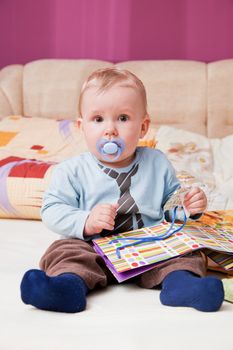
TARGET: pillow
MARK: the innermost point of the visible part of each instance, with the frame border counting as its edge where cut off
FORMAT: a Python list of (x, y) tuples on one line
[(187, 151), (202, 161), (193, 159), (29, 150), (223, 164), (23, 182), (40, 138)]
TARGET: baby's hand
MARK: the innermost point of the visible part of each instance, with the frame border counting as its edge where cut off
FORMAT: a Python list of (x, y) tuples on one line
[(101, 217), (195, 201)]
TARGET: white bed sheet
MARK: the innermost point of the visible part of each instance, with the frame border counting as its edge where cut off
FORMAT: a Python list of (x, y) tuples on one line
[(121, 316)]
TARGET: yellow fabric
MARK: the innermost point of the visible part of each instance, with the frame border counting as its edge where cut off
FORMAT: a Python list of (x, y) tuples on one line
[(6, 137), (228, 289), (147, 143)]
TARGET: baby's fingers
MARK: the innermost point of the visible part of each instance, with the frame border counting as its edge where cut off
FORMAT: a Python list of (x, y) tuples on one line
[(107, 219), (103, 225), (194, 194), (196, 208), (195, 201)]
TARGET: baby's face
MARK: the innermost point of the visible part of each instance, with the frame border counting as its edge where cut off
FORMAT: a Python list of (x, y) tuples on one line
[(117, 113)]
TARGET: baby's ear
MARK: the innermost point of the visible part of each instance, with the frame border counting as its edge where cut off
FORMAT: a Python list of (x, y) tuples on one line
[(79, 123), (145, 125)]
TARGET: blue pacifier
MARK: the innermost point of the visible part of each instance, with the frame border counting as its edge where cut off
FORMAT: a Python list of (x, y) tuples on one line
[(109, 148)]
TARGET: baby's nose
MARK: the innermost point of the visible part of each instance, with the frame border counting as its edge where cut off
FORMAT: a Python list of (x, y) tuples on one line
[(111, 130)]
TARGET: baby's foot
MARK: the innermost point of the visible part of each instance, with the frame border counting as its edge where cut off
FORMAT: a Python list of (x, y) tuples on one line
[(183, 288), (63, 293)]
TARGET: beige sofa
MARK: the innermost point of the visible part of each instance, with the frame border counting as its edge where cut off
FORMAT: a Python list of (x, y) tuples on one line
[(187, 100)]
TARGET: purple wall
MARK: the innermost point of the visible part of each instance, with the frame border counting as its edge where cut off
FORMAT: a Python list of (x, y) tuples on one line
[(115, 30)]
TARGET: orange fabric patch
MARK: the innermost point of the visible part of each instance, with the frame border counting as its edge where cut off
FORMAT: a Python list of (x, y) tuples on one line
[(6, 137), (42, 151), (15, 117)]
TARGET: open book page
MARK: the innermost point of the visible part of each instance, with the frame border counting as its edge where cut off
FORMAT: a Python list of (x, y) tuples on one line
[(192, 237)]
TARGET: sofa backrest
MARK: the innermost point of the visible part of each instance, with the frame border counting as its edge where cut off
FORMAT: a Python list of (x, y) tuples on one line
[(190, 95), (51, 87), (11, 99), (220, 98), (176, 92)]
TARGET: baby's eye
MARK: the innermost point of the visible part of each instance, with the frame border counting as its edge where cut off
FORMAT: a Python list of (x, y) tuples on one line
[(98, 119), (123, 118)]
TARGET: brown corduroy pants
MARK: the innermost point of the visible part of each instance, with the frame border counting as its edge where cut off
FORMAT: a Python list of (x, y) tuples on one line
[(79, 257)]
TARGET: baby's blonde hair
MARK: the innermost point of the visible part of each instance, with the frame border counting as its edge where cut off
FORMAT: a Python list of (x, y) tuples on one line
[(105, 78)]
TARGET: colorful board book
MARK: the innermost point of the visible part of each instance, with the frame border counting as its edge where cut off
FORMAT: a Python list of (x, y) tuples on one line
[(137, 259)]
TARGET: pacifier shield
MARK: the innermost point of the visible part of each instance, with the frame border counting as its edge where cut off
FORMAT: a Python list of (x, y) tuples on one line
[(110, 150)]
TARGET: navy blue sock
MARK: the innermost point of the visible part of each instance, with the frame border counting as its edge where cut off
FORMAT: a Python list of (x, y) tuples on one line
[(63, 293), (183, 288)]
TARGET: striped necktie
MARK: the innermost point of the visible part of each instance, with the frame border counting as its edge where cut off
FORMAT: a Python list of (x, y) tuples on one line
[(128, 211)]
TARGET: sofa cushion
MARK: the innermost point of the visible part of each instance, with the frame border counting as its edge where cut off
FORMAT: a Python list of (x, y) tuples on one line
[(176, 91), (220, 97), (11, 101), (51, 87)]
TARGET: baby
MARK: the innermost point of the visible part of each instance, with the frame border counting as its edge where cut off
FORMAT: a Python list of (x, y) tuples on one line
[(115, 187)]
